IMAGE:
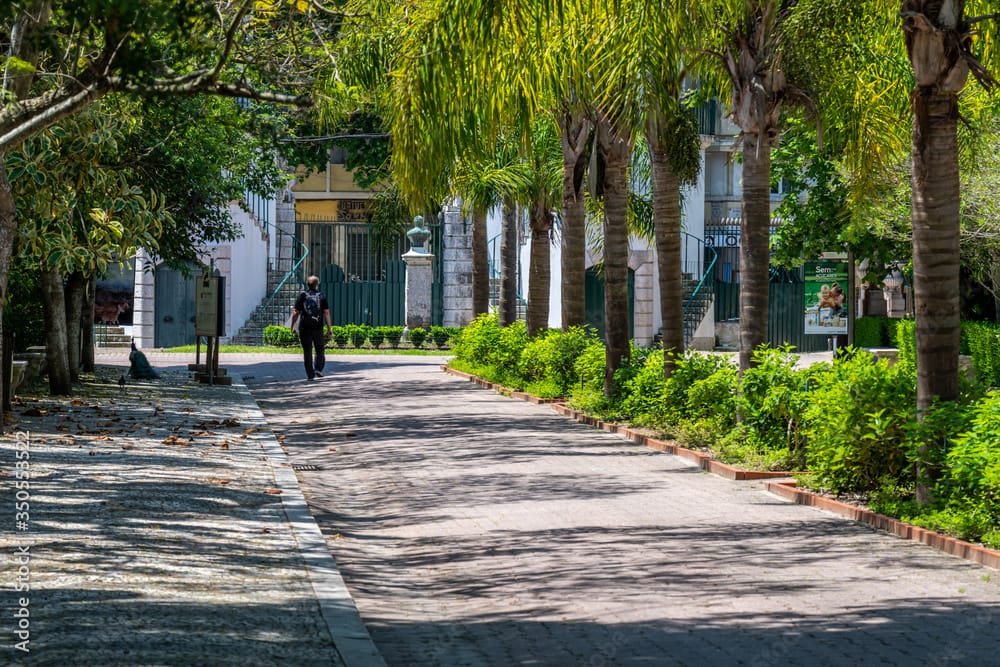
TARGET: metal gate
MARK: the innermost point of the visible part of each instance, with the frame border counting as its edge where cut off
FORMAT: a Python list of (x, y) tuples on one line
[(174, 308), (594, 301), (363, 276)]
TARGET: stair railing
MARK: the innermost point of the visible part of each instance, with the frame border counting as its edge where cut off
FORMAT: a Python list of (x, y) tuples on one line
[(293, 273), (697, 259)]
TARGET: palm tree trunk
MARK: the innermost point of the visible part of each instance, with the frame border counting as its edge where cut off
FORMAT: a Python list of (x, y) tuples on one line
[(480, 265), (616, 149), (754, 251), (540, 270), (575, 134), (508, 265), (935, 214), (667, 224), (56, 357)]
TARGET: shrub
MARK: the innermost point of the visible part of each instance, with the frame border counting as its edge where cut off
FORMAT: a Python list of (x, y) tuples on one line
[(280, 336), (393, 334), (506, 356), (973, 461), (871, 331), (773, 394), (478, 340), (906, 341), (440, 336), (417, 336), (644, 403), (552, 356), (340, 335), (857, 422), (376, 336), (982, 340), (357, 333)]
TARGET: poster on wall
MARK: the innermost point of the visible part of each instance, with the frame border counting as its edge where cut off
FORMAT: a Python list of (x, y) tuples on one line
[(826, 301), (114, 296)]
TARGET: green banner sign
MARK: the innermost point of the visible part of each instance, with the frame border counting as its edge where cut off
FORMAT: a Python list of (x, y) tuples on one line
[(826, 297)]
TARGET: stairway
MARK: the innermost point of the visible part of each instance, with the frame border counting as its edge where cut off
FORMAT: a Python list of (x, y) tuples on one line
[(522, 305), (107, 336), (275, 308), (696, 304)]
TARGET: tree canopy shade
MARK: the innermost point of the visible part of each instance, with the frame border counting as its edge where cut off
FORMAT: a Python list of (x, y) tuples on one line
[(61, 57)]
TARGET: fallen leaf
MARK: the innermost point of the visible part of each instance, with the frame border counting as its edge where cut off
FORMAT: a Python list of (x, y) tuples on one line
[(273, 491), (174, 440), (333, 449), (279, 438), (201, 433), (250, 430), (35, 412), (224, 445), (128, 446), (218, 480)]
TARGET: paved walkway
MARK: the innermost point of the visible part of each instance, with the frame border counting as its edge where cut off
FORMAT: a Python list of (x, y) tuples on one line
[(473, 529), (163, 527), (470, 529)]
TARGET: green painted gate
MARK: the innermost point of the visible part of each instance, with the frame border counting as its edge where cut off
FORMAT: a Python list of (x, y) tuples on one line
[(594, 301), (363, 276), (174, 307)]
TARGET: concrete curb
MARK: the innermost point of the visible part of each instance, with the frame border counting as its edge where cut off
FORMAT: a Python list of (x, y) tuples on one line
[(343, 620)]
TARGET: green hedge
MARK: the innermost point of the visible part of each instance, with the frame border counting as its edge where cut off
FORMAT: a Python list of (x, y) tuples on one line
[(280, 336)]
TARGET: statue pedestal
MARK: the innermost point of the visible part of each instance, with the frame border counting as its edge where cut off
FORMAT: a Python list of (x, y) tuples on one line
[(419, 278)]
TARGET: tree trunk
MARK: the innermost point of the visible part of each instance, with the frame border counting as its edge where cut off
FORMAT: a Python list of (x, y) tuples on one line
[(935, 257), (754, 250), (88, 362), (540, 270), (575, 133), (616, 149), (508, 265), (667, 225), (56, 357), (8, 232), (937, 43), (74, 293), (480, 265)]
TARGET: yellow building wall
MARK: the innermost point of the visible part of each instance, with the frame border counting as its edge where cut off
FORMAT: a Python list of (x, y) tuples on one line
[(340, 180), (325, 209)]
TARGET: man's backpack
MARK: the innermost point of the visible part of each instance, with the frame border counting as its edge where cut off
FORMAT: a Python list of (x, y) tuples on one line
[(312, 308)]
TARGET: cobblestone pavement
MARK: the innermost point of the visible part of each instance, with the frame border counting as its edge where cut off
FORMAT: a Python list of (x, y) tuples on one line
[(161, 530), (473, 529)]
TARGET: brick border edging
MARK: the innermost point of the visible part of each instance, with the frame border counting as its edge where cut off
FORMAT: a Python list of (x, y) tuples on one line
[(498, 388), (703, 461), (950, 545)]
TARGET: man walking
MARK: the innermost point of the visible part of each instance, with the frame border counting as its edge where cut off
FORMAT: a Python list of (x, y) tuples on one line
[(311, 310)]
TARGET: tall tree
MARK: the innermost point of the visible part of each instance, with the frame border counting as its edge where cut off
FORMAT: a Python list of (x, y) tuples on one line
[(576, 131), (748, 46), (615, 146), (61, 60), (939, 42)]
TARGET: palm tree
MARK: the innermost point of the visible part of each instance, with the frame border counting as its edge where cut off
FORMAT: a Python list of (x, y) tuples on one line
[(575, 138), (615, 148), (938, 39), (748, 47)]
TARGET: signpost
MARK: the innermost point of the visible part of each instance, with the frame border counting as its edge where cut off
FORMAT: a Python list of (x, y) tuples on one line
[(209, 321)]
